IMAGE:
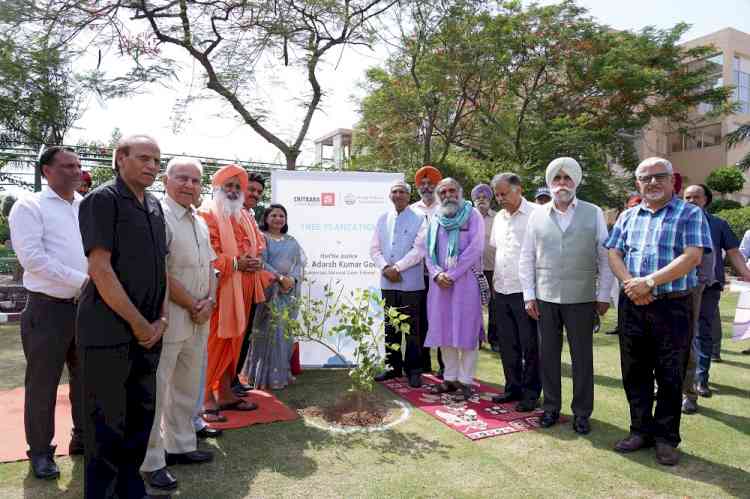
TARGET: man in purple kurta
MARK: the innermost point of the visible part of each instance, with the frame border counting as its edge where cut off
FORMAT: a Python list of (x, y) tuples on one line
[(454, 246)]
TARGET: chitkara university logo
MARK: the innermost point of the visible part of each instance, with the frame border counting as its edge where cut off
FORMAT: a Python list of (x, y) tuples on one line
[(328, 199)]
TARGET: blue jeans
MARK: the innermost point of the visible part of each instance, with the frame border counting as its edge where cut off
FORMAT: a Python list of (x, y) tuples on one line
[(704, 341)]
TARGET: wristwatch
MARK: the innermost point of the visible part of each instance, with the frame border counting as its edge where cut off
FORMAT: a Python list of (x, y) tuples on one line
[(650, 282)]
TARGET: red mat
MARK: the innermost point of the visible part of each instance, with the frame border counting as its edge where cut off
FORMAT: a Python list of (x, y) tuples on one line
[(475, 418), (14, 446), (270, 409)]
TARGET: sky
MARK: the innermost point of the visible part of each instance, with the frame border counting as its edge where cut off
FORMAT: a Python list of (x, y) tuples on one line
[(210, 129)]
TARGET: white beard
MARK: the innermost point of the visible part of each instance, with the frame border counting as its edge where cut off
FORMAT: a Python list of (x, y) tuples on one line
[(230, 207), (449, 208), (563, 194)]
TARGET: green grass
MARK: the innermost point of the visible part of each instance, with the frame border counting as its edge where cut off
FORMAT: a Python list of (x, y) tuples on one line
[(423, 458)]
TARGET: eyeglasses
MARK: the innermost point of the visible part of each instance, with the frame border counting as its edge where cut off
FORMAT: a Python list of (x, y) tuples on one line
[(659, 177)]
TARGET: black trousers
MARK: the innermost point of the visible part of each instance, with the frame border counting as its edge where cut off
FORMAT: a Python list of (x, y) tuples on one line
[(578, 320), (48, 339), (654, 344), (519, 349), (492, 330), (423, 328), (410, 360), (245, 344), (119, 384)]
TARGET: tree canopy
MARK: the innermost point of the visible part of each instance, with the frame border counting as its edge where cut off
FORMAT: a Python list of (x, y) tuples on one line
[(514, 87)]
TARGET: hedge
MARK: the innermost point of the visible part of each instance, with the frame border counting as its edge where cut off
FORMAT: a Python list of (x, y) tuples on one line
[(738, 219), (723, 204)]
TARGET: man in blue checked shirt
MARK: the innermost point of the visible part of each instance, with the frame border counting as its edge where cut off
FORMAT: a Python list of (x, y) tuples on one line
[(653, 249)]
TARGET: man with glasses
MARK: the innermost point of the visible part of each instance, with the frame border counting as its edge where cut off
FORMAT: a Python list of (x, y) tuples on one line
[(654, 249)]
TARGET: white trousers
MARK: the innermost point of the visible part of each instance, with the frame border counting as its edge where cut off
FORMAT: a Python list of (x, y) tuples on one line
[(460, 364), (177, 388)]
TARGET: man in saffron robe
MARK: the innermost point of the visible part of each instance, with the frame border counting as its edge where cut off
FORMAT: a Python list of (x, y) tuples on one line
[(238, 244), (453, 254)]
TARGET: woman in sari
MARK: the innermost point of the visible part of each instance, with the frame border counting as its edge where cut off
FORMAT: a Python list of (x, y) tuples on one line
[(267, 365)]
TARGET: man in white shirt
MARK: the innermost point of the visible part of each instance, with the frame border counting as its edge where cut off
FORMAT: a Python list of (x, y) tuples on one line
[(561, 259), (426, 180), (46, 238), (516, 330), (481, 196)]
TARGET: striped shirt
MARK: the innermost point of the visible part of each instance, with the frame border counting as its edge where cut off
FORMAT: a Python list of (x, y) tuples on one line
[(651, 240)]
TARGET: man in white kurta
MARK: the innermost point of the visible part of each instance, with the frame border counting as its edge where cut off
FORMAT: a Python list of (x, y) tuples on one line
[(192, 297)]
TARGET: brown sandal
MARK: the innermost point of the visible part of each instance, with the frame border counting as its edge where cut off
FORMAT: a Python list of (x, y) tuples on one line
[(239, 405), (213, 416), (444, 387)]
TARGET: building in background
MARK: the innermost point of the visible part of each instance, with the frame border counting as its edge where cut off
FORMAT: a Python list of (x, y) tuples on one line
[(334, 148), (700, 150)]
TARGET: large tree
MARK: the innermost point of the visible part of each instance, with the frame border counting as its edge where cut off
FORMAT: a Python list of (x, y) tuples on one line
[(226, 39), (517, 86)]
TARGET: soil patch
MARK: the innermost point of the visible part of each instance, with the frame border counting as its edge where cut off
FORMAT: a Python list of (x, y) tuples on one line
[(351, 409)]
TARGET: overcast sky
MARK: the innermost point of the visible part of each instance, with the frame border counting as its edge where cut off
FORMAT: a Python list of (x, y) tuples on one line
[(209, 130)]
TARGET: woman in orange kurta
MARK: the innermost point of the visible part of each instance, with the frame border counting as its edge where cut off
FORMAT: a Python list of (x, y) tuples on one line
[(236, 241)]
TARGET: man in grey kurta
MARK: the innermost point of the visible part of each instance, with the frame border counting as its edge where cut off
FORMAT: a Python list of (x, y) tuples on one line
[(561, 258), (192, 298), (453, 254)]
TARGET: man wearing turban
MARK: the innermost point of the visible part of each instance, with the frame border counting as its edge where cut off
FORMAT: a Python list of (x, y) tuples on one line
[(426, 180), (561, 259), (481, 196), (238, 244)]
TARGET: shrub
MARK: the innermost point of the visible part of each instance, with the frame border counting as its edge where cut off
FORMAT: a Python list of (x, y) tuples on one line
[(738, 219), (726, 179), (723, 204)]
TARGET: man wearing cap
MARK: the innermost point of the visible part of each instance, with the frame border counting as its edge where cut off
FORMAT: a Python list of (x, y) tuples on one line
[(453, 253), (542, 196), (85, 185), (426, 179), (561, 258), (44, 230), (397, 249), (238, 244), (481, 196), (122, 315)]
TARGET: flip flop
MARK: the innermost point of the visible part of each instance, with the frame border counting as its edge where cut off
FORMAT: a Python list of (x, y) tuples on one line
[(213, 416), (239, 405)]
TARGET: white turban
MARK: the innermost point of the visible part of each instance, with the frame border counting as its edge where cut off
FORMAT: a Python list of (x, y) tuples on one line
[(568, 165)]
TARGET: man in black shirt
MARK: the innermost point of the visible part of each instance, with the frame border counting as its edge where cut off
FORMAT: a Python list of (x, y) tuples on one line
[(121, 318)]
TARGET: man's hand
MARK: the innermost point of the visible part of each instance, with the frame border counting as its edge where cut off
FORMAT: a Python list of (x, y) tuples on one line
[(602, 307), (243, 263), (158, 326), (636, 288), (143, 332), (443, 280), (202, 311), (532, 308), (286, 283), (392, 274)]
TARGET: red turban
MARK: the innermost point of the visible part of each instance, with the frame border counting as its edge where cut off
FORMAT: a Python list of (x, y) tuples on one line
[(227, 172), (677, 182), (86, 177), (430, 172)]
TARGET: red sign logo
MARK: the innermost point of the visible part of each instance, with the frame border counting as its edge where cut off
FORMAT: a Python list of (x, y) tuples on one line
[(328, 199)]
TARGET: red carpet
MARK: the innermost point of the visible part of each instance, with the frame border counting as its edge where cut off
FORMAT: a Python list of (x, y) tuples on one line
[(14, 447), (270, 409), (476, 418)]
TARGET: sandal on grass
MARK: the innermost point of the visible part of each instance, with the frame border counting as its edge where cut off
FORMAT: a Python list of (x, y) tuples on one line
[(444, 387), (239, 405), (213, 416)]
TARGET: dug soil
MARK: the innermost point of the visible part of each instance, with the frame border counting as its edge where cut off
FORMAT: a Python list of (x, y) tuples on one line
[(353, 409)]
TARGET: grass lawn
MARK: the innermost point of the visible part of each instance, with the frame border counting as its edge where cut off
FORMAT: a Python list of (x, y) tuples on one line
[(423, 458)]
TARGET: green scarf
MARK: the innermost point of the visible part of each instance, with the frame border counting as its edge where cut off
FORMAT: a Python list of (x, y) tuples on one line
[(451, 226)]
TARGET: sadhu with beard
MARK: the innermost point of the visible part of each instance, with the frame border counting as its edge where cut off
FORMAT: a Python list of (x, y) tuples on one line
[(561, 260), (238, 245)]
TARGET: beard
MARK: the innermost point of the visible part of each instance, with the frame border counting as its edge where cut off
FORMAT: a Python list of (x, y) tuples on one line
[(483, 205), (230, 207), (427, 194), (449, 207), (563, 194), (654, 195)]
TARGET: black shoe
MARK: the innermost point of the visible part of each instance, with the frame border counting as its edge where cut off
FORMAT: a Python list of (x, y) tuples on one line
[(745, 351), (43, 465), (633, 442), (75, 448), (526, 405), (689, 406), (439, 374), (192, 457), (581, 425), (506, 397), (666, 454), (716, 358), (703, 390), (160, 479), (495, 347), (207, 432), (387, 375), (614, 331), (241, 386), (549, 418), (415, 380), (239, 391)]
